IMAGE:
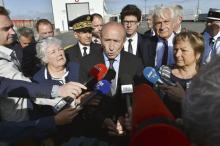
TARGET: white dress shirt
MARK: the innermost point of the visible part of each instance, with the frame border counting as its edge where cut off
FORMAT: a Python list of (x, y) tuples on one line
[(115, 66), (160, 51), (82, 50), (134, 44)]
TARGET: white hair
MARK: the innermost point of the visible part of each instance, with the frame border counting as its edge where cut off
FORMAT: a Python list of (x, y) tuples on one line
[(159, 12), (42, 46)]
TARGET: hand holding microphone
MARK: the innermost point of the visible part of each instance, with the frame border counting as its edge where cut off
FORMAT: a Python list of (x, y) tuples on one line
[(173, 90), (102, 87), (152, 76)]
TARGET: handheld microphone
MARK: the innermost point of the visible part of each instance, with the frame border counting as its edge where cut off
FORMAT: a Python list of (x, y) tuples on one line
[(127, 90), (102, 87), (96, 73), (110, 75), (152, 76)]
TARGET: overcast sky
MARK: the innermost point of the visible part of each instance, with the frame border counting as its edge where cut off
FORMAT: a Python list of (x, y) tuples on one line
[(32, 9)]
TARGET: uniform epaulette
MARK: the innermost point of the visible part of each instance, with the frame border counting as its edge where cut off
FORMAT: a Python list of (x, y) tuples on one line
[(69, 46)]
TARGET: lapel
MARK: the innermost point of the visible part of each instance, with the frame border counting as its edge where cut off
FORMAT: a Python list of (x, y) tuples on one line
[(154, 45), (78, 52), (123, 64), (138, 45)]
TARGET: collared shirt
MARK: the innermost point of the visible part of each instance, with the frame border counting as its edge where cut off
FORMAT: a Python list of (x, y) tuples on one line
[(82, 50), (115, 65), (160, 51), (134, 44), (62, 80), (215, 49)]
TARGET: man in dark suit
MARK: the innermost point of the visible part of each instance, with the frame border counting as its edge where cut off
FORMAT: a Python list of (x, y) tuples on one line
[(113, 107), (130, 18), (82, 27), (158, 50)]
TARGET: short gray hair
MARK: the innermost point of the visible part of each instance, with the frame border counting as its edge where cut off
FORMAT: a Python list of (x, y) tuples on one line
[(159, 12), (42, 46), (201, 107)]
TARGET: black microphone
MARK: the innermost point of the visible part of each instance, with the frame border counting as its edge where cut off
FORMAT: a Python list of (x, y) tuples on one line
[(102, 87), (127, 89), (110, 75)]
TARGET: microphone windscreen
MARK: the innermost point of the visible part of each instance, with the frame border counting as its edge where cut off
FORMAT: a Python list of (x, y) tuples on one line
[(110, 75), (103, 87), (152, 122), (98, 71), (151, 75), (147, 104)]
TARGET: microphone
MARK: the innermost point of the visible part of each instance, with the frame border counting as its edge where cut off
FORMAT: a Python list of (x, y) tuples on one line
[(127, 90), (102, 87), (110, 75), (152, 123), (152, 76), (96, 73)]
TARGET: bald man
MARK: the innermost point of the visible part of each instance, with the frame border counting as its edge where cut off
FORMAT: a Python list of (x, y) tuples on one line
[(113, 107)]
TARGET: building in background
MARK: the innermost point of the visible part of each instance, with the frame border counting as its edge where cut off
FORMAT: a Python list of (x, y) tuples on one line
[(66, 10)]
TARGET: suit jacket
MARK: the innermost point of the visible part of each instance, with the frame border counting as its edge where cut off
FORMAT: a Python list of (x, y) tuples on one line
[(139, 42), (148, 50), (140, 39), (74, 53), (19, 88), (129, 65), (148, 33), (14, 131)]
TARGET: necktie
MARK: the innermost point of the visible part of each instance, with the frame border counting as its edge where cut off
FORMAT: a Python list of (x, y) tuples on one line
[(211, 42), (211, 49), (111, 61), (84, 51), (96, 41), (113, 81), (130, 50), (165, 53), (14, 59)]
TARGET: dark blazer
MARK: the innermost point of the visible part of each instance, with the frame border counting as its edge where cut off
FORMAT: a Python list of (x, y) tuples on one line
[(14, 131), (148, 50), (140, 38), (148, 33), (74, 54), (129, 65), (73, 75), (10, 88)]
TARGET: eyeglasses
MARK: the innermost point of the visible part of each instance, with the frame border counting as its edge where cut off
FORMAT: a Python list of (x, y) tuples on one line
[(131, 22)]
